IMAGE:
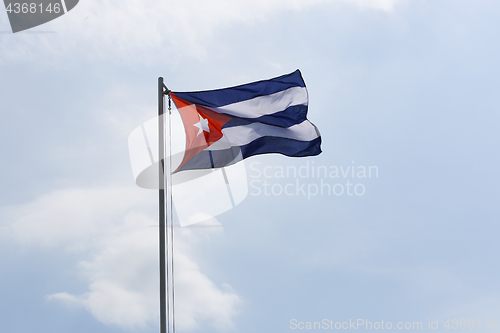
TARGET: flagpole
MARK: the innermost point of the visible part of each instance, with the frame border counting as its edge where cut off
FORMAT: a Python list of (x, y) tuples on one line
[(161, 183), (171, 296)]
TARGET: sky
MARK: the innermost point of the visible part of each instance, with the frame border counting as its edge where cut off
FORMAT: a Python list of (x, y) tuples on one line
[(405, 88)]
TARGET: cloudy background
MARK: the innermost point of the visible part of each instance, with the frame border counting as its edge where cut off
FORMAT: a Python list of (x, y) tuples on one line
[(410, 87)]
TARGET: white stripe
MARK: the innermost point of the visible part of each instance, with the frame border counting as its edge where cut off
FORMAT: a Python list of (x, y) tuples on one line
[(265, 105), (64, 6), (242, 135)]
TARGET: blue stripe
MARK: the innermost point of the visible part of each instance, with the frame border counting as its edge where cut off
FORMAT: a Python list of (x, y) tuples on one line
[(269, 144), (222, 97), (293, 115), (284, 146), (210, 159)]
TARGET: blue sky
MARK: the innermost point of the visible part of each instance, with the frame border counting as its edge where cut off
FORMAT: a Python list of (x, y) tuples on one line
[(407, 86)]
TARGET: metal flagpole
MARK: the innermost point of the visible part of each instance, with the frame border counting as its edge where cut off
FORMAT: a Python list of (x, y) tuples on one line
[(167, 292), (161, 183), (171, 295)]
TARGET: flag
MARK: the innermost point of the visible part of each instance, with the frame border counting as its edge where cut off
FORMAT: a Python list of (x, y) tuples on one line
[(227, 125)]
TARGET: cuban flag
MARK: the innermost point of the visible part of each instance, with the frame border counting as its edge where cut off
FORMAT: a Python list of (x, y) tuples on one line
[(227, 125)]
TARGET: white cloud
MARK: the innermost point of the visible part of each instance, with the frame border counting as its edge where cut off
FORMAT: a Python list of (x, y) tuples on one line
[(72, 217), (385, 5), (111, 227), (134, 31)]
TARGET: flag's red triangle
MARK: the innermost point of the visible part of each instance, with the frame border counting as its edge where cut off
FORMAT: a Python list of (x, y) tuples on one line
[(203, 127)]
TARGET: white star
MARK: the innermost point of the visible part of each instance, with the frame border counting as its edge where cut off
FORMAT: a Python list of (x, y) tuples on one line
[(202, 125)]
